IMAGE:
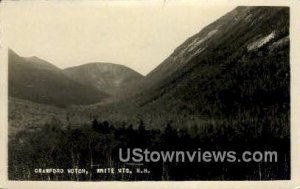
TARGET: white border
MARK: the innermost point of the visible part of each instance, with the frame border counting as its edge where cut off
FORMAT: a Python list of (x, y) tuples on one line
[(295, 108)]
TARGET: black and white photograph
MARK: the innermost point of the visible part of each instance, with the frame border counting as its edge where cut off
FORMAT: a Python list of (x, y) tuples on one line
[(149, 92)]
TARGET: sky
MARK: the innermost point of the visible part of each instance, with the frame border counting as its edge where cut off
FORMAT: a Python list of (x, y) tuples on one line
[(66, 34)]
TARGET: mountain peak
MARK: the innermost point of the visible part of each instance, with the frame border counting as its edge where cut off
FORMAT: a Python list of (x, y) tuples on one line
[(32, 60), (108, 77)]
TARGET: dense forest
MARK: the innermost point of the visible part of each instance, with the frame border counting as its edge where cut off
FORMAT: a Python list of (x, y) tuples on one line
[(96, 145)]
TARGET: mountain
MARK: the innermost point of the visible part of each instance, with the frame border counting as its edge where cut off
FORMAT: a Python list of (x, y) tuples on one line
[(34, 79), (110, 78), (233, 32), (238, 64)]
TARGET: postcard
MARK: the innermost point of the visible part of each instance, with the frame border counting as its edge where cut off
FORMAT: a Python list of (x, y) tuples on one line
[(171, 93)]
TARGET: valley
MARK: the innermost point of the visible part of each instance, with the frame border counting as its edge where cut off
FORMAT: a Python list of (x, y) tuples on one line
[(226, 87)]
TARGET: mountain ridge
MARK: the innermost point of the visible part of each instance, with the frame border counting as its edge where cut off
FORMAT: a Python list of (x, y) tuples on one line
[(215, 73), (37, 80), (108, 77)]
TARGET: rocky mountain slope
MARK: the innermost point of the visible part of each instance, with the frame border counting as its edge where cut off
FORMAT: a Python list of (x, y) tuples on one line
[(238, 64)]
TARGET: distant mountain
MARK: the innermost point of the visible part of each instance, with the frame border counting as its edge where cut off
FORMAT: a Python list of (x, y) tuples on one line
[(110, 78), (39, 81), (239, 63)]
